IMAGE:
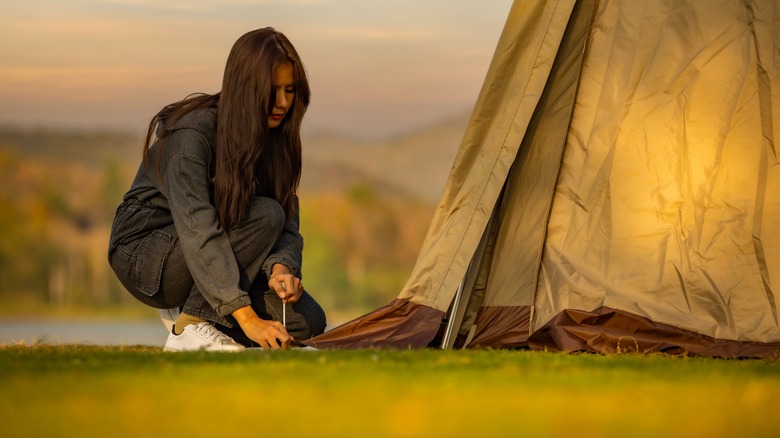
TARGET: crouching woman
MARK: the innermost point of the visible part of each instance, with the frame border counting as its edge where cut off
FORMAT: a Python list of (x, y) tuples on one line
[(210, 225)]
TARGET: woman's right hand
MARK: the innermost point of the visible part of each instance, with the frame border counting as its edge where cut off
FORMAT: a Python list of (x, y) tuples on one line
[(271, 335)]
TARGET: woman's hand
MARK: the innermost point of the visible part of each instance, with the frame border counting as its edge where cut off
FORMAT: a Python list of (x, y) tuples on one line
[(288, 287), (271, 335)]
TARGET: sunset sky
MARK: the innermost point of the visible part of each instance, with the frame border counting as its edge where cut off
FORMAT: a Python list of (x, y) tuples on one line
[(377, 67)]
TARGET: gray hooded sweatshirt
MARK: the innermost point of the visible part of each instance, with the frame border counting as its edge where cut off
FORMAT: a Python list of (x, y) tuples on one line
[(182, 195)]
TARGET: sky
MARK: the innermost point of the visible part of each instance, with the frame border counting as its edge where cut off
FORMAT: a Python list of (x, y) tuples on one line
[(376, 67)]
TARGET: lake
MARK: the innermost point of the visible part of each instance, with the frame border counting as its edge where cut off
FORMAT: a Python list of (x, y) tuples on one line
[(30, 331)]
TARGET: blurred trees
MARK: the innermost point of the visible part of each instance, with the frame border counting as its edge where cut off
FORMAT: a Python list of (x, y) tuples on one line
[(58, 194), (54, 223), (360, 247)]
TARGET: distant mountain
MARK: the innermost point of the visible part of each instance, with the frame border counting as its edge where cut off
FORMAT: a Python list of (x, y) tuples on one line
[(65, 147), (418, 163), (415, 165)]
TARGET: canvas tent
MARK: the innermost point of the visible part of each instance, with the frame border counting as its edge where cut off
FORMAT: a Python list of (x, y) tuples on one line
[(617, 189)]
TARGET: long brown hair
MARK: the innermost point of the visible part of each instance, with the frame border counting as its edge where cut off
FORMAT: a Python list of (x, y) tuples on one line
[(251, 159)]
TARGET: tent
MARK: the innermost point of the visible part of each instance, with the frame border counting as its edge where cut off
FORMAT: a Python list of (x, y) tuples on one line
[(617, 189)]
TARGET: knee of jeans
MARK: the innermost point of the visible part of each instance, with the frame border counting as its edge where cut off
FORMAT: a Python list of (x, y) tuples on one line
[(316, 320), (269, 211)]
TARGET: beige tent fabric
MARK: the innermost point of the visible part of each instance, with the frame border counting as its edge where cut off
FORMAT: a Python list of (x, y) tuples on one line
[(512, 269), (531, 184), (666, 204), (668, 199), (515, 79)]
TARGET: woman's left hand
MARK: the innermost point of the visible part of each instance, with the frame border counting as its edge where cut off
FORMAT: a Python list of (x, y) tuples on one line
[(287, 286)]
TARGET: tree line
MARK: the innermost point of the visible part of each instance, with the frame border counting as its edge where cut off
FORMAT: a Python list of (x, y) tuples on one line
[(56, 210)]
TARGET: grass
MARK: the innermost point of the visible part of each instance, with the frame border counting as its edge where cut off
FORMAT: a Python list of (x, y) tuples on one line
[(139, 391)]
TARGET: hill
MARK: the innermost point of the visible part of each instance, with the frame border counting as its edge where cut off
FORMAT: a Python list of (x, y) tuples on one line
[(414, 165), (417, 163), (67, 147)]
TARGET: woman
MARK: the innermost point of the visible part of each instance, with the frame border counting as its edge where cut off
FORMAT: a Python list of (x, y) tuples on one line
[(210, 223)]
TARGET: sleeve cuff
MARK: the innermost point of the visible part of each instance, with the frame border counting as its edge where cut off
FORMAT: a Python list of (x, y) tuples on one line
[(230, 307), (268, 266)]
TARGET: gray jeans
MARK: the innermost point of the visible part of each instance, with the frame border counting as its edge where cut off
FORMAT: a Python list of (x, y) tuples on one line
[(252, 241)]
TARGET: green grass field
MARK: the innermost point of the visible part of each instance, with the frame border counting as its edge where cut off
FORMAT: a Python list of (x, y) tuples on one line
[(141, 391)]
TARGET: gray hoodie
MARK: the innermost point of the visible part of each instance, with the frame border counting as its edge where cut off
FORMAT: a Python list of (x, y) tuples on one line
[(182, 195)]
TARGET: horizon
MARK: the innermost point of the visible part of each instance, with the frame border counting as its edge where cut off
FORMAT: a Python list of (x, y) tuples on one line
[(376, 70), (310, 133)]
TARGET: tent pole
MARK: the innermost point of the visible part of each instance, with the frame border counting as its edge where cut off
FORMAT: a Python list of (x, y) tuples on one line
[(448, 340)]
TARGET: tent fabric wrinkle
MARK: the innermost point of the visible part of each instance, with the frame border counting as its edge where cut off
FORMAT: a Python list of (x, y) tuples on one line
[(501, 327), (623, 153)]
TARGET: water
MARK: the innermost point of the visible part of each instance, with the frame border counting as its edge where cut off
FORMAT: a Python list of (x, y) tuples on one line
[(29, 331)]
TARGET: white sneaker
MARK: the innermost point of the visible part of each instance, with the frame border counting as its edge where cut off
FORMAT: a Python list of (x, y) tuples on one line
[(201, 336), (168, 317)]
